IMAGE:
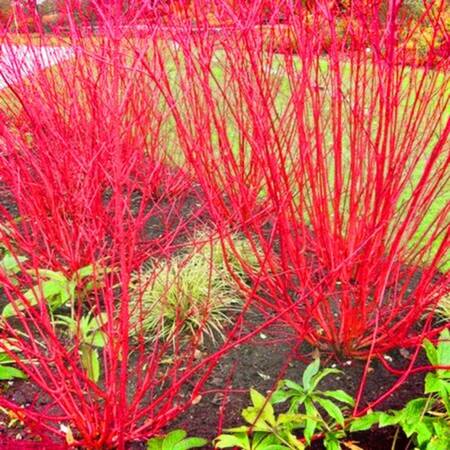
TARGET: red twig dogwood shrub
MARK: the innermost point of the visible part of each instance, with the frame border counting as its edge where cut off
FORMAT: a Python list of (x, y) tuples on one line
[(335, 165), (91, 190), (86, 137), (93, 384), (331, 166)]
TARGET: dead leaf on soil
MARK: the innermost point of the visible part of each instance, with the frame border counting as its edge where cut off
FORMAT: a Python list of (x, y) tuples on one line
[(15, 417), (352, 445), (405, 353), (264, 376), (69, 437)]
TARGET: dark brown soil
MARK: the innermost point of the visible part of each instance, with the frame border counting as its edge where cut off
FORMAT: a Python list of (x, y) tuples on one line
[(265, 360), (259, 364)]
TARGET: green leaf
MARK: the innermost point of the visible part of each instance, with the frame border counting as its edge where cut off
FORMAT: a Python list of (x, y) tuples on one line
[(154, 444), (98, 321), (294, 442), (332, 410), (241, 429), (309, 372), (9, 311), (443, 351), (364, 423), (48, 289), (95, 366), (66, 321), (9, 373), (4, 358), (331, 442), (414, 409), (11, 264), (173, 438), (240, 440), (311, 421), (293, 386), (264, 441), (258, 400), (424, 432), (441, 427), (97, 339), (84, 272), (387, 420), (291, 420), (273, 447), (436, 443), (320, 376), (51, 275), (431, 352), (340, 396), (261, 413), (192, 442), (433, 383), (90, 362), (296, 401), (280, 396)]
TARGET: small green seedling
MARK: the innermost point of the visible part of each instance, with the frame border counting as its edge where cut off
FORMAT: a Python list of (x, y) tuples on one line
[(87, 332), (265, 430), (268, 431), (175, 440), (306, 397), (426, 420)]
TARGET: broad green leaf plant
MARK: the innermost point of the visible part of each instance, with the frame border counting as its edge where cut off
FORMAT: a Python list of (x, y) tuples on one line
[(175, 440), (425, 420), (87, 331), (7, 370), (53, 287), (310, 411)]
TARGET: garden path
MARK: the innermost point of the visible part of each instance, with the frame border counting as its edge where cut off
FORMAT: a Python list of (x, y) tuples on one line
[(19, 61)]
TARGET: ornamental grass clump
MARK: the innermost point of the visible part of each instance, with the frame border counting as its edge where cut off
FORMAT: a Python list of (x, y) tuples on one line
[(191, 293)]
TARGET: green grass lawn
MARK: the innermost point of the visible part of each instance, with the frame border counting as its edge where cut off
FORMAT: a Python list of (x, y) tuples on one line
[(275, 69)]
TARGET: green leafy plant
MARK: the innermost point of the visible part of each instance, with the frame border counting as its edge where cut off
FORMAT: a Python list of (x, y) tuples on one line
[(305, 415), (7, 369), (53, 287), (265, 429), (87, 331), (426, 420), (175, 440), (308, 398)]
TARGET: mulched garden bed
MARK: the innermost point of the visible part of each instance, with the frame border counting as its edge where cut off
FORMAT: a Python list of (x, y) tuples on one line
[(270, 357), (260, 363)]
